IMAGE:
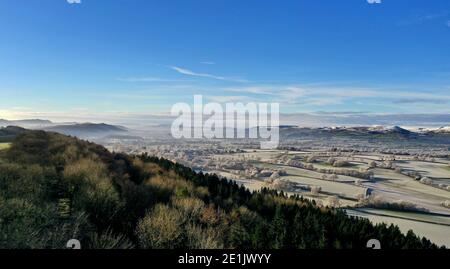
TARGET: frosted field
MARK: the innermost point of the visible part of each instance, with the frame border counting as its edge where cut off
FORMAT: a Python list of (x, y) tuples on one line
[(295, 171), (334, 188), (393, 186), (251, 184), (387, 185), (437, 233), (374, 157), (428, 218), (264, 156), (437, 171), (312, 178)]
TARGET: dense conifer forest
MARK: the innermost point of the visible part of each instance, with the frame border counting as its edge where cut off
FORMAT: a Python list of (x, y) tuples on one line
[(54, 188)]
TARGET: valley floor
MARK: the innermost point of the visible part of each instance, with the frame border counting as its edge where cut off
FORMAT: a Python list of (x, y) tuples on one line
[(387, 186)]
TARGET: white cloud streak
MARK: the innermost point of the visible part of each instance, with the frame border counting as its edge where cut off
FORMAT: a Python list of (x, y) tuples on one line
[(423, 18), (321, 96), (143, 79), (188, 72)]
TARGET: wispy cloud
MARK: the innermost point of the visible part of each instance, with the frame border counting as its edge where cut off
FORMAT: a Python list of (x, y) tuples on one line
[(254, 90), (143, 79), (298, 94), (208, 62), (230, 99), (420, 101), (74, 1), (423, 18), (188, 72), (329, 95), (192, 73)]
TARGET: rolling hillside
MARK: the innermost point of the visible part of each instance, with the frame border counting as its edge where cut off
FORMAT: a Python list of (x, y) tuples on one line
[(54, 188), (84, 130)]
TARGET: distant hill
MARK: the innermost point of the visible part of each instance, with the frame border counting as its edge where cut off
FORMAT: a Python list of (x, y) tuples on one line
[(364, 119), (364, 132), (440, 130), (82, 130), (85, 130), (386, 130), (4, 122), (25, 123), (7, 134), (33, 121), (392, 131)]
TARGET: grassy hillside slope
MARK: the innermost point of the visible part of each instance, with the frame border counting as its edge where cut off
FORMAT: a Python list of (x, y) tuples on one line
[(54, 188)]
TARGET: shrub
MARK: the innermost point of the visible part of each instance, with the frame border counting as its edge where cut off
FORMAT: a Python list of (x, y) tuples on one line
[(446, 203), (315, 190), (190, 208), (340, 163), (311, 159), (198, 238), (334, 201), (91, 190), (426, 181), (108, 240), (161, 228), (378, 201)]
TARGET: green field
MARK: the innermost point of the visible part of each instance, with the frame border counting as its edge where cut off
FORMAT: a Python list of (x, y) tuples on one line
[(4, 146)]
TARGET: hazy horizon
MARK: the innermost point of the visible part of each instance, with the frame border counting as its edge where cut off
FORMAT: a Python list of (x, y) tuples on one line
[(297, 119)]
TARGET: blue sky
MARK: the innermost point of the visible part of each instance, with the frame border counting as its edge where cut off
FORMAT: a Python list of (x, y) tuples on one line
[(119, 57)]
